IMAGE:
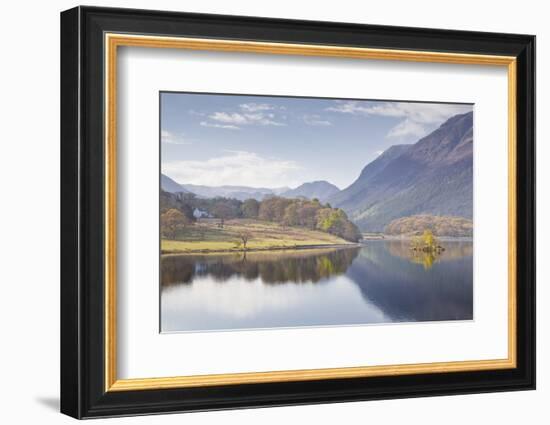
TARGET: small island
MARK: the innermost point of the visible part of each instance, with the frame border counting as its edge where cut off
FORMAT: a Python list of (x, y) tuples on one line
[(427, 242), (427, 235)]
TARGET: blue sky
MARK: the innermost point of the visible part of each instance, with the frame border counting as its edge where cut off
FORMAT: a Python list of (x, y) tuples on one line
[(267, 141)]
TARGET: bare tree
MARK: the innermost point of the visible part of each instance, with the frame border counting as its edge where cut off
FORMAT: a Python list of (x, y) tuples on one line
[(244, 237)]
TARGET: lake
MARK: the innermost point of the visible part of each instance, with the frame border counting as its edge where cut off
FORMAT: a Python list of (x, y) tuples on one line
[(378, 282)]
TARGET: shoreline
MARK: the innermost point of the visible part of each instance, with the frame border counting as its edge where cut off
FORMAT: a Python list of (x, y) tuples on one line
[(363, 242), (383, 237), (275, 248)]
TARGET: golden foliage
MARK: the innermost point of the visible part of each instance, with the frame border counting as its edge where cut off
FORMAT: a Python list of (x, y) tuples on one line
[(438, 225)]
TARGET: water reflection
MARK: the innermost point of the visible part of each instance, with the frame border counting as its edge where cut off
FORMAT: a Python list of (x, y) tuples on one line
[(453, 250), (379, 282), (272, 267), (406, 290)]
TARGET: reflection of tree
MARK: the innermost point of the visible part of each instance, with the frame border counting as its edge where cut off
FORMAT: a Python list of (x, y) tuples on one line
[(273, 268), (426, 259), (402, 248), (382, 271), (388, 278), (173, 272)]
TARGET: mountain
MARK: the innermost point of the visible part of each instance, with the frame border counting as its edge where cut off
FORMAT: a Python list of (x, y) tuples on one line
[(237, 192), (169, 185), (347, 196), (322, 190), (432, 176)]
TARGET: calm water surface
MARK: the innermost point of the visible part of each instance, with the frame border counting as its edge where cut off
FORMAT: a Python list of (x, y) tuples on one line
[(380, 282)]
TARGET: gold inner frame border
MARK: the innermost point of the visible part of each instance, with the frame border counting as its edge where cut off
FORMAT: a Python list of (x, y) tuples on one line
[(113, 40)]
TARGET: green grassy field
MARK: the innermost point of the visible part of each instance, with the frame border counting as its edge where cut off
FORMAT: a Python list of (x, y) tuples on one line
[(208, 237)]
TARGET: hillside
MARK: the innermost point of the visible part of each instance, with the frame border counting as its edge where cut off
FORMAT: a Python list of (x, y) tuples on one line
[(433, 176), (345, 198), (321, 190), (169, 185), (439, 225), (207, 236)]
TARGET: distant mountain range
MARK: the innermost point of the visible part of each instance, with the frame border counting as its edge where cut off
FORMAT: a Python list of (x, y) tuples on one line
[(237, 192), (322, 190), (169, 185), (432, 176)]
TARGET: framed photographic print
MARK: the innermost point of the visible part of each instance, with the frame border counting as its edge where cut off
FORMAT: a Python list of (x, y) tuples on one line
[(261, 212)]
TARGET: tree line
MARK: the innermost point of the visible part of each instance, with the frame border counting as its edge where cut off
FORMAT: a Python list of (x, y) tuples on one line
[(311, 214), (438, 225)]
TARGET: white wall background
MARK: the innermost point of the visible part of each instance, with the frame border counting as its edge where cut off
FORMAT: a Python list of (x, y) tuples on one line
[(29, 216)]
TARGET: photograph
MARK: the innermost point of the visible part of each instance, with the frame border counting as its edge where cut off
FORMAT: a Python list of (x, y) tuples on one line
[(290, 212)]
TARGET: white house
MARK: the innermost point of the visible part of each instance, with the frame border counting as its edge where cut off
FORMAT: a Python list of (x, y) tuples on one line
[(200, 213)]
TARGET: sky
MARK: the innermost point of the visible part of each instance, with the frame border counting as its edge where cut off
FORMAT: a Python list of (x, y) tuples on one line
[(271, 142)]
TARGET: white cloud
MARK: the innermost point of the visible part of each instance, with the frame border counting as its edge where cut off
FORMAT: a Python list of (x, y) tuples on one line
[(173, 139), (255, 107), (418, 112), (234, 120), (378, 153), (418, 118), (316, 120), (259, 114), (350, 107), (234, 168), (406, 128), (214, 125)]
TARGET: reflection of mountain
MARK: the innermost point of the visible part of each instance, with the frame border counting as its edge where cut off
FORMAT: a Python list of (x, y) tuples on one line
[(433, 176), (405, 291), (272, 267), (387, 278)]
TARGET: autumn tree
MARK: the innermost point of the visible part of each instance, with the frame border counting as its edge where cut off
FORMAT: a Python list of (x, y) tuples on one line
[(273, 209), (171, 221), (350, 232), (290, 217), (429, 239), (308, 214), (327, 219), (250, 208), (336, 222), (439, 225), (224, 209)]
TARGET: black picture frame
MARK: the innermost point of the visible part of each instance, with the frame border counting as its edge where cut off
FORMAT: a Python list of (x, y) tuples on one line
[(83, 392)]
